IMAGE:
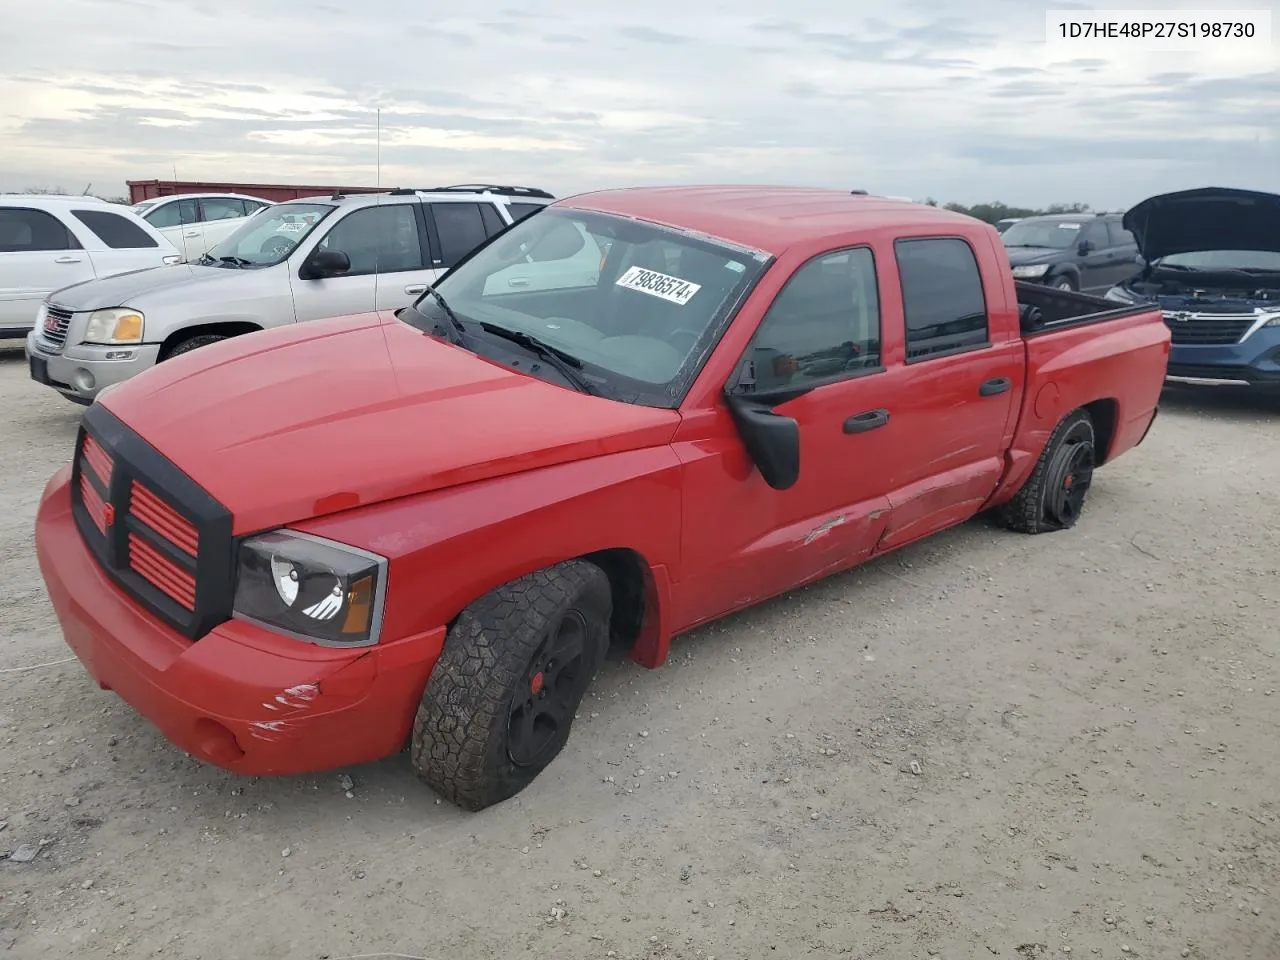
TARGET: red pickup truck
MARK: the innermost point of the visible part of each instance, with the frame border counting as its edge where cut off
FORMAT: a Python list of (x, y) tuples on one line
[(628, 414)]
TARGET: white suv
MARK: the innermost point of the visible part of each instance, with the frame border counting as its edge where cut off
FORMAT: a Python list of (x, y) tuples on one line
[(305, 259), (49, 242), (197, 222)]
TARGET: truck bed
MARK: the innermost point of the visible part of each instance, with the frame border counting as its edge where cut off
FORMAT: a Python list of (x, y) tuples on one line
[(1041, 308)]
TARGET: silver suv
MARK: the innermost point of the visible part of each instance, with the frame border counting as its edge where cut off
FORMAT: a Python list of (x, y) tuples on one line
[(304, 259)]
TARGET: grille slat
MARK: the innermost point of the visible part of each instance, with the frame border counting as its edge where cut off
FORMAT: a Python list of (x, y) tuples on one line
[(94, 505), (54, 329), (1207, 328), (146, 507), (98, 460), (161, 572)]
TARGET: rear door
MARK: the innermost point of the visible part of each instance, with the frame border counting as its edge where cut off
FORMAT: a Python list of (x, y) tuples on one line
[(118, 243), (38, 255), (956, 397), (386, 245)]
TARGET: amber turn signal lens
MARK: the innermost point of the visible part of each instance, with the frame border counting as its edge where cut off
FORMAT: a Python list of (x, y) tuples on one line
[(359, 606)]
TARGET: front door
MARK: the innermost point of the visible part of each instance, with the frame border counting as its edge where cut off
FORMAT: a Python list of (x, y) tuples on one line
[(386, 245), (743, 540)]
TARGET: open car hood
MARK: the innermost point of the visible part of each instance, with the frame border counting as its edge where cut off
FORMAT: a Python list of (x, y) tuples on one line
[(1207, 218)]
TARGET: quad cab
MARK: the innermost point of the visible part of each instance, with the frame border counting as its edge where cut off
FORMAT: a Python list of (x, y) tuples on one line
[(317, 545)]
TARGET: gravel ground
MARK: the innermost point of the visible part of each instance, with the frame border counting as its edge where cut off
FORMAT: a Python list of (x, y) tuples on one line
[(986, 745)]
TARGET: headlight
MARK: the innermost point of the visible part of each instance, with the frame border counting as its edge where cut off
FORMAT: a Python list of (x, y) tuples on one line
[(1120, 295), (1273, 322), (118, 325), (1031, 272), (310, 588)]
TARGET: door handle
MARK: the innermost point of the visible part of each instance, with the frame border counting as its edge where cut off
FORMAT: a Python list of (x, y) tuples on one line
[(415, 288), (67, 260), (518, 282), (862, 422), (993, 387), (193, 233)]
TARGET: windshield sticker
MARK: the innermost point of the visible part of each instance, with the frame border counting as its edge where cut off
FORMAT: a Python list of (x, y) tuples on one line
[(1068, 226), (293, 227), (671, 289)]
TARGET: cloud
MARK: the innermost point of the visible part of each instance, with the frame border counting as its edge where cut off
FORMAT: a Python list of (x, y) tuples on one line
[(919, 99)]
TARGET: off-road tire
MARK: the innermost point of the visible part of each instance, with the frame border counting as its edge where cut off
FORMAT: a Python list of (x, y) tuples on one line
[(1031, 510), (461, 743), (192, 343)]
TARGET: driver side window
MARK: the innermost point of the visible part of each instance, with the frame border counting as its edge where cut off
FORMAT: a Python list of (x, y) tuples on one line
[(381, 239), (823, 326)]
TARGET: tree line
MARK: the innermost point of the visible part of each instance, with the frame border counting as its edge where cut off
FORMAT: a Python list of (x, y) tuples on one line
[(993, 211)]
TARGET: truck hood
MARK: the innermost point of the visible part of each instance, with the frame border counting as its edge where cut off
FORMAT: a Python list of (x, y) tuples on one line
[(1207, 218), (302, 421), (128, 289), (1021, 256)]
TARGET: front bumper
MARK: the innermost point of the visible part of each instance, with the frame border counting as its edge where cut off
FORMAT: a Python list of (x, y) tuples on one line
[(1253, 362), (241, 697), (82, 370)]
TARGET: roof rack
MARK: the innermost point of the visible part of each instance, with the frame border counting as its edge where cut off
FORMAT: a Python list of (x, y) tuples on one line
[(506, 191)]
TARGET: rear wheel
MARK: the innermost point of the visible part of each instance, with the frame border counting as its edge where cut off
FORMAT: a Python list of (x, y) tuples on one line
[(502, 698), (192, 343), (1054, 495)]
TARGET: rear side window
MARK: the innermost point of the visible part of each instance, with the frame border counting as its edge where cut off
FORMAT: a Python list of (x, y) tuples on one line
[(493, 223), (221, 208), (1120, 237), (942, 300), (461, 228), (115, 231), (23, 230), (823, 326), (521, 210)]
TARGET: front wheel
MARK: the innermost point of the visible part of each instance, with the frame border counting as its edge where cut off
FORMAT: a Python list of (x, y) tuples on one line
[(1053, 496), (502, 698), (192, 343), (1064, 283)]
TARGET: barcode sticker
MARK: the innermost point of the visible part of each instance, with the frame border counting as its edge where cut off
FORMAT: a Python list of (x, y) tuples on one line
[(671, 289)]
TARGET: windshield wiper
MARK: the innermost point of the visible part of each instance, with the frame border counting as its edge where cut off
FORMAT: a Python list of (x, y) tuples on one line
[(565, 363), (456, 331), (238, 261)]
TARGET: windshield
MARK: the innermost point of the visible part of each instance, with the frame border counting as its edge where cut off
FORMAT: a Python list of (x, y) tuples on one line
[(636, 303), (271, 234), (1261, 260), (1058, 234)]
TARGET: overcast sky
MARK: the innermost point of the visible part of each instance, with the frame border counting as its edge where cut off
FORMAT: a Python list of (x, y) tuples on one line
[(571, 95)]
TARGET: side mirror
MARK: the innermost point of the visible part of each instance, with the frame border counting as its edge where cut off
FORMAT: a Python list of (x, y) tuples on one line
[(326, 263), (772, 440), (1085, 246)]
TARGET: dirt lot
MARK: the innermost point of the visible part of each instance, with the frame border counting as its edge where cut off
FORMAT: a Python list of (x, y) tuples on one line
[(988, 745)]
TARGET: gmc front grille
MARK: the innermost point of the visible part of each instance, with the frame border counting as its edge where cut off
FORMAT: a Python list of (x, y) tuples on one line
[(53, 332), (165, 541)]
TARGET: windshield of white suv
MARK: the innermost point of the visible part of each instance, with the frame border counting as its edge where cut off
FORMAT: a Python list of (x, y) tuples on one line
[(1058, 234), (633, 307), (269, 236), (1261, 260)]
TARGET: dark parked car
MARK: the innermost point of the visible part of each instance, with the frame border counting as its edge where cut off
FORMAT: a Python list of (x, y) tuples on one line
[(1213, 265), (1072, 251)]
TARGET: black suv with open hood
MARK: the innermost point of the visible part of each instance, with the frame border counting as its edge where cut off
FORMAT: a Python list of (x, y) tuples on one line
[(1212, 263)]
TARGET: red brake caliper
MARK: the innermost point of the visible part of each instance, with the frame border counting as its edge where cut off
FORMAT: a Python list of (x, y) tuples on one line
[(535, 685)]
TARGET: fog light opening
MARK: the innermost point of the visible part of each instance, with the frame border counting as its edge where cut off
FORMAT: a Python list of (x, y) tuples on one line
[(215, 742), (84, 380)]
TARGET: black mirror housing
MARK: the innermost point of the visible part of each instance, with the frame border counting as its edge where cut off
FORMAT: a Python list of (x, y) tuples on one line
[(327, 263), (772, 440)]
